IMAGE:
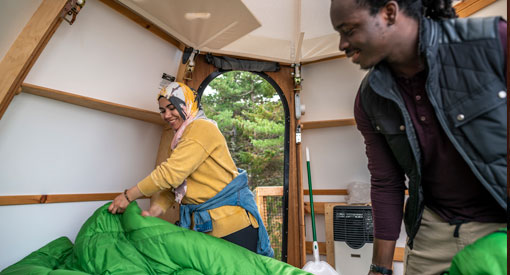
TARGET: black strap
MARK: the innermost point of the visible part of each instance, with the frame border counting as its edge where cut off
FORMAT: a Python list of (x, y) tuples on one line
[(457, 224), (230, 63), (380, 269)]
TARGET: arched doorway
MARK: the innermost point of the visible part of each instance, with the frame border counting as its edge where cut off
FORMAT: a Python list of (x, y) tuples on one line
[(253, 114)]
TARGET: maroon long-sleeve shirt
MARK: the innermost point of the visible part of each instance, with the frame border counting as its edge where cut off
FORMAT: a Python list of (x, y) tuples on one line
[(450, 188)]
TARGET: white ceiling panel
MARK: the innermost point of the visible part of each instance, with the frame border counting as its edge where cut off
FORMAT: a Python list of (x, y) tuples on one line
[(279, 30)]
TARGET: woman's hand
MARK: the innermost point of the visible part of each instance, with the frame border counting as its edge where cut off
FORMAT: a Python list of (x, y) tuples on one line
[(119, 204), (154, 211)]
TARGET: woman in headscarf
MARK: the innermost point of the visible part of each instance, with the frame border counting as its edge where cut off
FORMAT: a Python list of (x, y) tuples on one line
[(201, 176)]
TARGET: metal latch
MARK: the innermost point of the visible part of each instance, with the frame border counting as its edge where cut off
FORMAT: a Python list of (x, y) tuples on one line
[(190, 65), (298, 134), (72, 8), (297, 75)]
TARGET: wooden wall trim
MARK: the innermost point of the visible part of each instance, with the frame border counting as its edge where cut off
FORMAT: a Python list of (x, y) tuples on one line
[(144, 23), (468, 7), (27, 47), (306, 125), (96, 104), (55, 198)]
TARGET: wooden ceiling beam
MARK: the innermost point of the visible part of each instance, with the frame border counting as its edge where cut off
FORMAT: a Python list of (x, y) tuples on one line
[(27, 47), (146, 24)]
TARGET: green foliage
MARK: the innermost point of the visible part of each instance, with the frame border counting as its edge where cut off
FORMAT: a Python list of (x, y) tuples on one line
[(251, 117)]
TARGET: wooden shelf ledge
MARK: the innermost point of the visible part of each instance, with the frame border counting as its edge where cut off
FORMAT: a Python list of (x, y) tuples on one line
[(96, 104), (306, 125), (55, 198)]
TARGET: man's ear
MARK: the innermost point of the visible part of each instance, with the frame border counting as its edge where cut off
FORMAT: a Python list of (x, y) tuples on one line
[(390, 12)]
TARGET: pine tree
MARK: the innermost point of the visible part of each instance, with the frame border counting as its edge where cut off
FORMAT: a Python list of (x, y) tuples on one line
[(250, 115)]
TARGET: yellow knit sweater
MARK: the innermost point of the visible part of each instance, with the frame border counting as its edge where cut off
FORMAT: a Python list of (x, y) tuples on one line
[(203, 159)]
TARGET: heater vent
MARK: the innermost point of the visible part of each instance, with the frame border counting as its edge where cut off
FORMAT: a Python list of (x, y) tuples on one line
[(353, 225)]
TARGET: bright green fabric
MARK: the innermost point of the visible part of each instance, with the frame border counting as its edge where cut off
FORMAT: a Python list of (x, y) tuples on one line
[(486, 256), (45, 260), (132, 244)]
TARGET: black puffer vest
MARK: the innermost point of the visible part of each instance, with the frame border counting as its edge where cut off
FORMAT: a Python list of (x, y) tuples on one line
[(467, 88)]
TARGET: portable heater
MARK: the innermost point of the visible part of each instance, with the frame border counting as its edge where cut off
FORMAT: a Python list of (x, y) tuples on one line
[(353, 239)]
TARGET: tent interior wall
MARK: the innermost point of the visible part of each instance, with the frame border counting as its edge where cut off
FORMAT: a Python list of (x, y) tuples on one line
[(52, 147)]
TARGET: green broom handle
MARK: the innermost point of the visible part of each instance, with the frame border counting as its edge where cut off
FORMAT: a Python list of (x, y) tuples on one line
[(310, 193)]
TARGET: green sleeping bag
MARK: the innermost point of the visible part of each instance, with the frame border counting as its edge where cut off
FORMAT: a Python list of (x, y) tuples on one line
[(486, 256), (132, 244)]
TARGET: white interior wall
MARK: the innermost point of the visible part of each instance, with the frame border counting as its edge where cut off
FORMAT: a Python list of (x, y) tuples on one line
[(51, 147), (14, 15), (328, 93)]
